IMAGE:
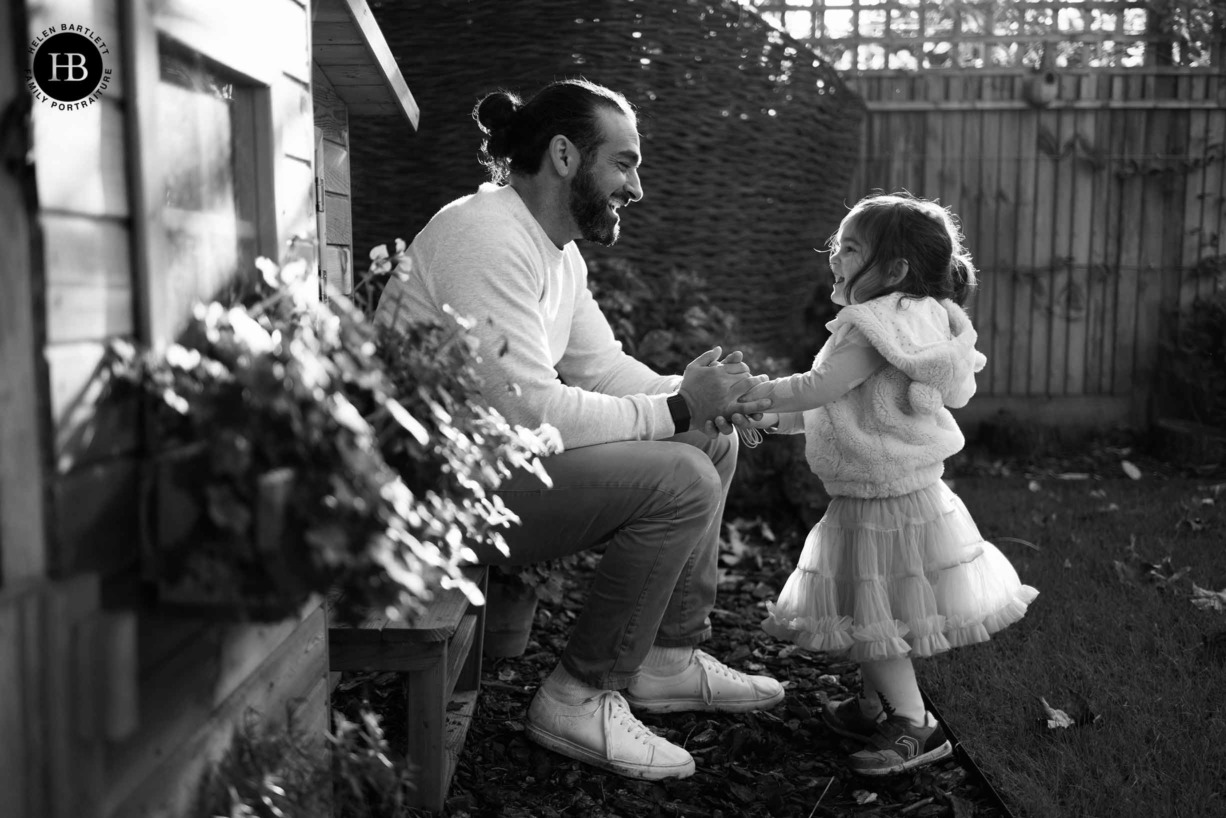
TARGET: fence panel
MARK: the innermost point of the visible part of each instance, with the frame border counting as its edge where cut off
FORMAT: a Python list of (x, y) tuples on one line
[(1093, 219)]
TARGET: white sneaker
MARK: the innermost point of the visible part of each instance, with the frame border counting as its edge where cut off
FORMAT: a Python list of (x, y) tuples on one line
[(705, 684), (602, 731)]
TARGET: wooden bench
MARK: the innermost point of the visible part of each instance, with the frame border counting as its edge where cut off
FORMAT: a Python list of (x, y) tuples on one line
[(440, 656)]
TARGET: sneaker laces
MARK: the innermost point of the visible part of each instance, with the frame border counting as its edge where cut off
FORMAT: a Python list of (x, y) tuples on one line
[(714, 665), (617, 711)]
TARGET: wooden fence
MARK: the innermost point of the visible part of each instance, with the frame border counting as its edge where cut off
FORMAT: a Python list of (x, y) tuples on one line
[(1094, 218)]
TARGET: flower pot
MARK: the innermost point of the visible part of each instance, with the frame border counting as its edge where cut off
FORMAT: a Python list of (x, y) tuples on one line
[(239, 571), (509, 611)]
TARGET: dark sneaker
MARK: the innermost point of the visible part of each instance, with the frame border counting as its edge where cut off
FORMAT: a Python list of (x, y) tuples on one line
[(846, 719), (898, 745)]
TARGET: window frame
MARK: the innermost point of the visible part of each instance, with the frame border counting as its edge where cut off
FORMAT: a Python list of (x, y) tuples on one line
[(207, 30)]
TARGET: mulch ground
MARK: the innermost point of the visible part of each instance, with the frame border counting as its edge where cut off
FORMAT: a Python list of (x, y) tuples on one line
[(781, 763)]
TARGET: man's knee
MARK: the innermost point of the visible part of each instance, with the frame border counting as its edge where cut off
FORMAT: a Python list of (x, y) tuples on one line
[(694, 478)]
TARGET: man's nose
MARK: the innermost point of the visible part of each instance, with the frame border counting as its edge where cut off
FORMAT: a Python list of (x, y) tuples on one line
[(635, 186)]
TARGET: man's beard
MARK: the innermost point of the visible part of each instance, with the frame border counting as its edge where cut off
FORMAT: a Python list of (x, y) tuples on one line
[(590, 209)]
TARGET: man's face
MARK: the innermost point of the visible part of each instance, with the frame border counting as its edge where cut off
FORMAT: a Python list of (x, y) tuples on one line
[(607, 180)]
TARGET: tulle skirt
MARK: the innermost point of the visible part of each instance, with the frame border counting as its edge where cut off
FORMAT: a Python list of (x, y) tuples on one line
[(898, 576)]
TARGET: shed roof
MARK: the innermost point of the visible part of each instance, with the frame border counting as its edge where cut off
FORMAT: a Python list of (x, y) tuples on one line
[(350, 49)]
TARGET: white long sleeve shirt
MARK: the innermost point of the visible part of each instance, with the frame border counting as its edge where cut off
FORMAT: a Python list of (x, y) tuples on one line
[(547, 353)]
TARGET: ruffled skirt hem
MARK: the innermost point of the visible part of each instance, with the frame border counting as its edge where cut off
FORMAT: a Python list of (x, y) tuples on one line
[(892, 577)]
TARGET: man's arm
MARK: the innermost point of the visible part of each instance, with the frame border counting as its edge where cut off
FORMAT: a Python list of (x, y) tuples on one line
[(496, 287), (595, 359)]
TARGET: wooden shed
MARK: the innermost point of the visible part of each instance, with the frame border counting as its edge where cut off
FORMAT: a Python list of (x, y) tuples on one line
[(216, 132)]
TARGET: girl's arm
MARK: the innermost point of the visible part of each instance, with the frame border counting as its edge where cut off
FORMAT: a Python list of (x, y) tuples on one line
[(849, 364), (789, 423)]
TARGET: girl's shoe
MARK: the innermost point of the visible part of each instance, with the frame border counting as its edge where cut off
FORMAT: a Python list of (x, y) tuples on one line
[(848, 720), (899, 745)]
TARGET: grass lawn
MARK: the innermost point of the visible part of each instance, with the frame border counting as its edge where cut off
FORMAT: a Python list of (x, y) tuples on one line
[(1113, 640)]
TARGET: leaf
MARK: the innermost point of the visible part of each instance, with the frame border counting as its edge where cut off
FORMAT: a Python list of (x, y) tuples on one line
[(1208, 600), (864, 797), (410, 423), (1055, 718), (1125, 573), (1130, 470)]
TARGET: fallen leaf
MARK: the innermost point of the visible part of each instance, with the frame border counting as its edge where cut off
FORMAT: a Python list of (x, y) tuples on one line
[(1194, 523), (864, 797), (1130, 470), (1055, 718), (1073, 475), (1164, 573), (1125, 572), (1208, 600), (1067, 563)]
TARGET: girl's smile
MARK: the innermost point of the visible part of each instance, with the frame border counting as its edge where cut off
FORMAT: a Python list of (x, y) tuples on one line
[(845, 262)]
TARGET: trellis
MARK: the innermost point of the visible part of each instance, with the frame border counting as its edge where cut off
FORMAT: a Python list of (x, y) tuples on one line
[(871, 35)]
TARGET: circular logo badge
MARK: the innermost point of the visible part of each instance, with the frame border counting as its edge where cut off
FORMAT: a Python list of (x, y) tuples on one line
[(67, 67)]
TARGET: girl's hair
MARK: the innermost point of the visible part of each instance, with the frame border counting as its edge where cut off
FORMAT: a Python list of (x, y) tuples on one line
[(899, 226), (517, 133)]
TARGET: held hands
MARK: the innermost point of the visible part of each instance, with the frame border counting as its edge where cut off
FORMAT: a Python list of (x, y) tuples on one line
[(715, 389), (758, 420)]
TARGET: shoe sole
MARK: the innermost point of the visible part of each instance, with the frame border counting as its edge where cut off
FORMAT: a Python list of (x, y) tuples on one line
[(944, 751), (579, 753), (700, 705)]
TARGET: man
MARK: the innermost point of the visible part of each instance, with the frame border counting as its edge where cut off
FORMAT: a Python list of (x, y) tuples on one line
[(634, 474)]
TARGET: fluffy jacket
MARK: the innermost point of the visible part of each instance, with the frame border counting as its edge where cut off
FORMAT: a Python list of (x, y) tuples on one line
[(890, 435)]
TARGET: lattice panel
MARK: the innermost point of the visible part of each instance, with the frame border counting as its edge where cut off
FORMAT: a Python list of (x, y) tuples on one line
[(869, 35)]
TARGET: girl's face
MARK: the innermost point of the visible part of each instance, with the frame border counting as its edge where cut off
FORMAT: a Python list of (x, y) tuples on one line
[(853, 282), (847, 257)]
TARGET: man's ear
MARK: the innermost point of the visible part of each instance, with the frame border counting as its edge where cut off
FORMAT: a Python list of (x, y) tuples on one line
[(564, 156)]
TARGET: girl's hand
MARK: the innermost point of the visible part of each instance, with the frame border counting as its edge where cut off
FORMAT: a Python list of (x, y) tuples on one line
[(758, 391)]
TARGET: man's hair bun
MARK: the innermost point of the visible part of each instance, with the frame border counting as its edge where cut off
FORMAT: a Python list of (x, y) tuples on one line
[(495, 113)]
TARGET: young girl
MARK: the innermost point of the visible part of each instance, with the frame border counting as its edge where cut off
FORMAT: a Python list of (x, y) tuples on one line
[(896, 568)]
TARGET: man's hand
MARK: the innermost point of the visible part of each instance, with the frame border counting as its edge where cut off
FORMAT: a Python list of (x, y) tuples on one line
[(712, 390)]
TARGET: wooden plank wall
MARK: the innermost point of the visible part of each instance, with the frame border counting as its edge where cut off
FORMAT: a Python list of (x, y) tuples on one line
[(23, 391), (189, 682), (1093, 220), (332, 169)]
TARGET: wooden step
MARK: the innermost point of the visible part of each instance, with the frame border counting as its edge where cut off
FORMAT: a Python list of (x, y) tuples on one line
[(383, 643), (439, 652), (459, 717)]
